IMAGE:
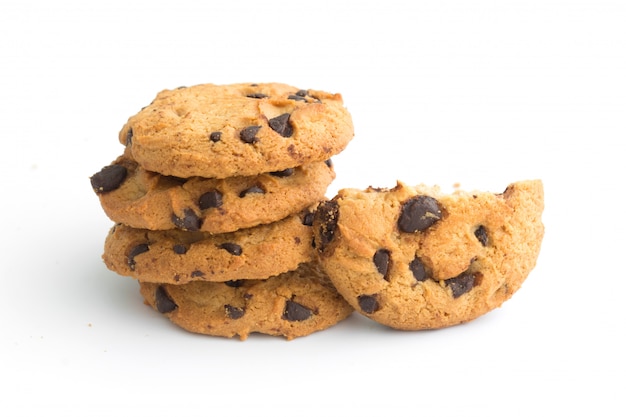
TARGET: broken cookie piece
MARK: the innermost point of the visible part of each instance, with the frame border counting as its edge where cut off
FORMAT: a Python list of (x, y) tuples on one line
[(416, 258)]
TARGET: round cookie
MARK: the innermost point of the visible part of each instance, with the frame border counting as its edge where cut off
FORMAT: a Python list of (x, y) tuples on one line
[(219, 131), (292, 304), (147, 200), (176, 256), (415, 258)]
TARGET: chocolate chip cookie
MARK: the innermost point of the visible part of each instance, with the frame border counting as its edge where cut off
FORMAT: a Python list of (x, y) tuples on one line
[(219, 131), (179, 256), (416, 258), (292, 304), (143, 199)]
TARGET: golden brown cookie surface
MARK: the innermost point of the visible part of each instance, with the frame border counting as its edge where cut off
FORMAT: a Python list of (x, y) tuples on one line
[(177, 256), (219, 131), (415, 258), (292, 304)]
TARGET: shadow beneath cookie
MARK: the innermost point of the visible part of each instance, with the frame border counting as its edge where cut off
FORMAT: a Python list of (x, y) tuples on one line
[(358, 325)]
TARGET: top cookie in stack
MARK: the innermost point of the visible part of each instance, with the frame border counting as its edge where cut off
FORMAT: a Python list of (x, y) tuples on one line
[(217, 131)]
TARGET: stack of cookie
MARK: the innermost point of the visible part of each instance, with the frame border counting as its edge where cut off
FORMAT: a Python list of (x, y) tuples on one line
[(213, 201)]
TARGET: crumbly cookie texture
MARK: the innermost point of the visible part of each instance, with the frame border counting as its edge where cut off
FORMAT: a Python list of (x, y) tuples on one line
[(415, 258), (147, 200), (179, 256), (219, 131), (292, 304)]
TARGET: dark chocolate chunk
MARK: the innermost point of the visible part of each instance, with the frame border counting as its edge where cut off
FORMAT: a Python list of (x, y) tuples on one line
[(189, 222), (418, 214), (328, 215), (308, 218), (461, 283), (368, 303), (109, 178), (215, 136), (232, 248), (248, 134), (197, 274), (296, 312), (235, 283), (300, 95), (137, 250), (164, 304), (255, 189), (481, 235), (329, 163), (210, 199), (284, 173), (234, 312), (280, 124), (257, 95), (419, 270), (180, 249), (129, 136), (382, 258)]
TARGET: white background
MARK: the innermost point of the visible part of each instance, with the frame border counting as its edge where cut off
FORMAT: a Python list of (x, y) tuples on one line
[(482, 93)]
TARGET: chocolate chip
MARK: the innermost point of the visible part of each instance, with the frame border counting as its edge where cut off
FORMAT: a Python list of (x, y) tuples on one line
[(189, 222), (234, 283), (232, 248), (280, 124), (284, 173), (215, 136), (197, 274), (248, 134), (255, 189), (257, 95), (328, 215), (300, 95), (164, 304), (368, 303), (419, 270), (180, 249), (234, 312), (296, 312), (418, 214), (382, 258), (481, 235), (210, 199), (329, 163), (137, 250), (109, 178), (129, 136), (308, 218), (461, 284)]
